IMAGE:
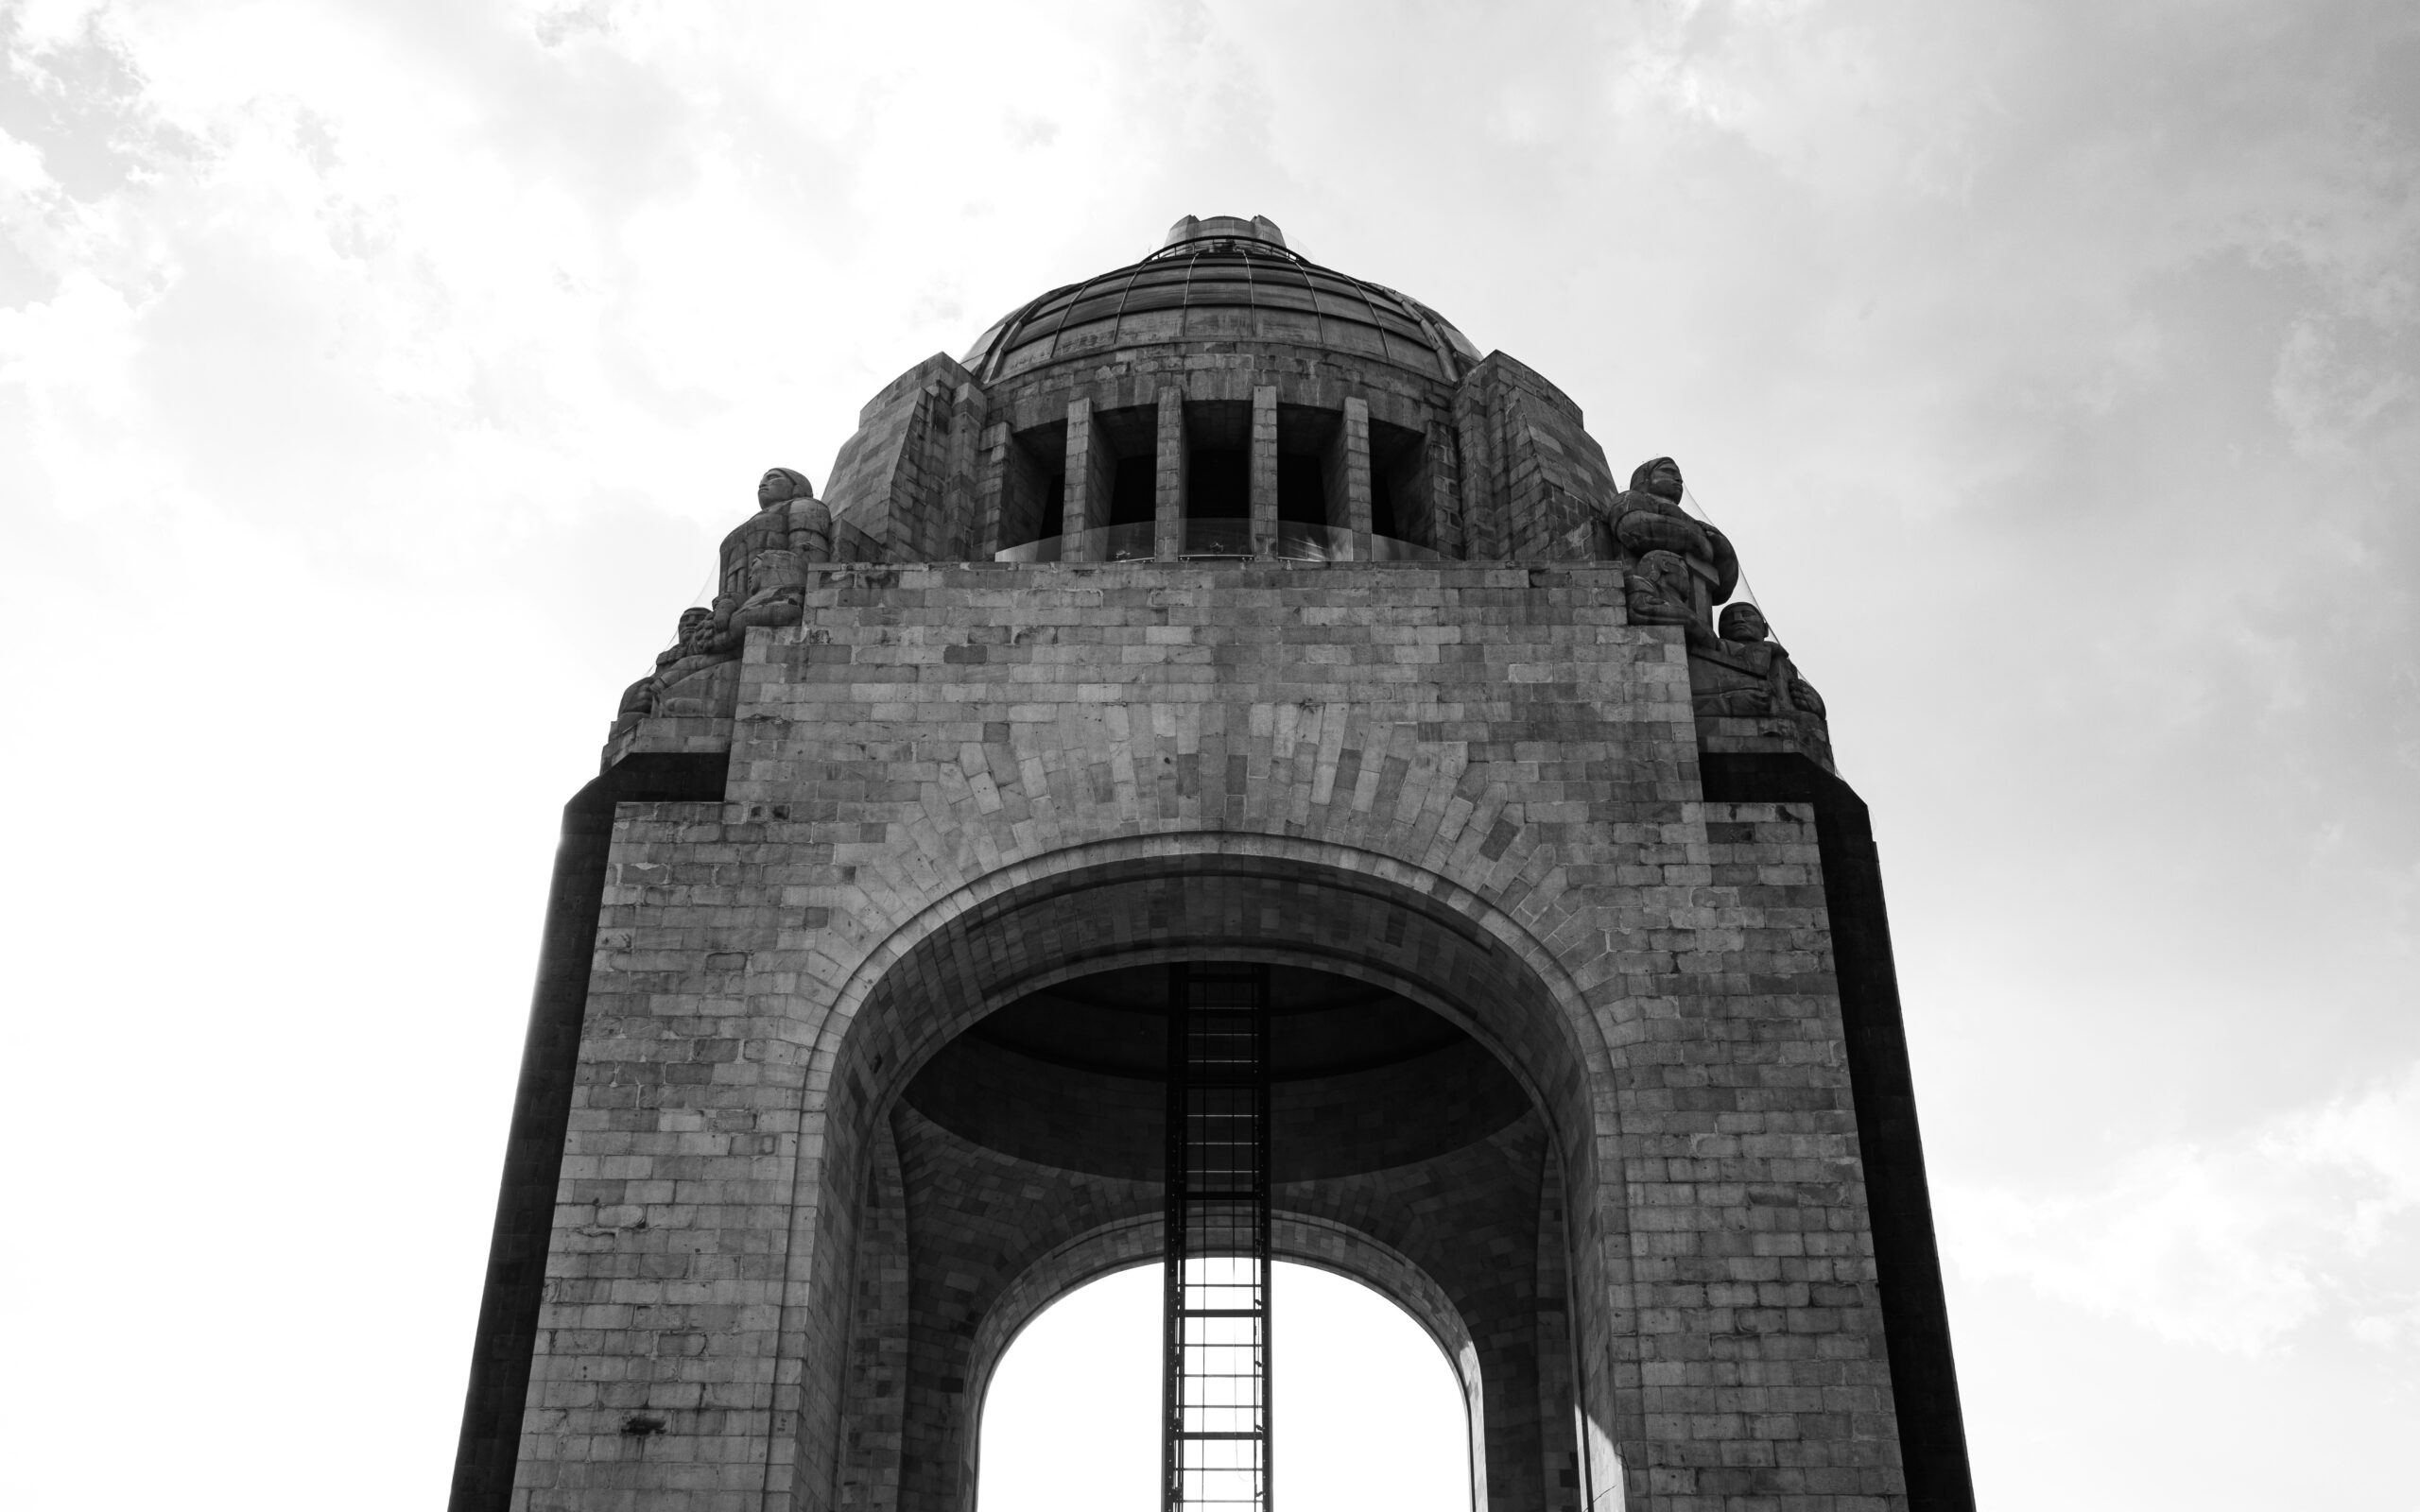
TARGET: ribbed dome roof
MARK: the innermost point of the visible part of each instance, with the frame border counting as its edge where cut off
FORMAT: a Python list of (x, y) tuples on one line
[(1223, 278)]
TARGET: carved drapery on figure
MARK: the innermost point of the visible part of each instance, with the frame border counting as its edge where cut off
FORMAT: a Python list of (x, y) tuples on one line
[(691, 651), (1660, 591), (1681, 569), (763, 582), (1741, 670), (1646, 519), (764, 559)]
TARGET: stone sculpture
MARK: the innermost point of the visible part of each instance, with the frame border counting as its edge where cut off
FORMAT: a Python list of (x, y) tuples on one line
[(1660, 591), (764, 560), (1681, 567), (1646, 518), (1743, 671), (690, 652), (763, 582)]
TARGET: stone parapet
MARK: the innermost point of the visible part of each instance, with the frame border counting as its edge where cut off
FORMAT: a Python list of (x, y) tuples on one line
[(1766, 736), (667, 737)]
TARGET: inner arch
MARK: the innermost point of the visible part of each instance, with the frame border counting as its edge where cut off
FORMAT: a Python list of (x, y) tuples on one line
[(1061, 1093), (1375, 1413)]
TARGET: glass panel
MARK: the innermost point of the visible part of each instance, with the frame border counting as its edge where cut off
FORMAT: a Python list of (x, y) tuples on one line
[(1297, 542), (1387, 548), (1223, 538), (1123, 542), (1108, 543), (1047, 549), (1229, 537)]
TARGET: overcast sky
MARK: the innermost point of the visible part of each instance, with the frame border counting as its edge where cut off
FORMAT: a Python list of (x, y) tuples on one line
[(375, 380)]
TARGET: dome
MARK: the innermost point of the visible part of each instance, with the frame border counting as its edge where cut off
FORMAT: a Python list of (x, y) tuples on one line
[(1223, 278)]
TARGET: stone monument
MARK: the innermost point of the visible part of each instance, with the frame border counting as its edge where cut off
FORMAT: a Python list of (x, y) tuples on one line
[(1222, 640)]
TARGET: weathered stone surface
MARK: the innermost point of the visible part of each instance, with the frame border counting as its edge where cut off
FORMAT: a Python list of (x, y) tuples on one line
[(1643, 1221), (1534, 480)]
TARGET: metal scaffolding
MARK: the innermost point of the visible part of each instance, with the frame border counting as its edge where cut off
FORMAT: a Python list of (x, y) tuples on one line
[(1214, 1372)]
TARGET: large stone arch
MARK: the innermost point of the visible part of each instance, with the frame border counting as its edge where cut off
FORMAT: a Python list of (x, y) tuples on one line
[(1477, 785), (970, 936), (1195, 896)]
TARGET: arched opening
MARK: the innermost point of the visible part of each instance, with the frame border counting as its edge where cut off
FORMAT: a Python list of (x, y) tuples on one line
[(1447, 1065), (1374, 1412), (1402, 1153)]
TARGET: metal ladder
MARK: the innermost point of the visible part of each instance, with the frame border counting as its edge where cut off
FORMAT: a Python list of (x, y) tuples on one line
[(1215, 1377)]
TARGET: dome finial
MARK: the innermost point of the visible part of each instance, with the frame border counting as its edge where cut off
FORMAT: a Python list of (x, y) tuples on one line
[(1203, 228)]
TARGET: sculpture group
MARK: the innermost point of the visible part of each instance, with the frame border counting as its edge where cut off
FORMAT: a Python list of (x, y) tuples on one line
[(1680, 570), (762, 582)]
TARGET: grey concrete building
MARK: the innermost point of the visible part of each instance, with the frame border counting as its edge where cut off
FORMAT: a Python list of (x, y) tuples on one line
[(1222, 610)]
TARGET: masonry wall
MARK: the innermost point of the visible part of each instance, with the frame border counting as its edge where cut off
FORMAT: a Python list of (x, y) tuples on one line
[(1474, 783), (1532, 477)]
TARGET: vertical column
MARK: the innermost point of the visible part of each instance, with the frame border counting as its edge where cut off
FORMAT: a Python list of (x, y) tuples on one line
[(1215, 1383), (873, 1406), (1168, 538), (1444, 480), (991, 523), (1087, 500), (1264, 471), (1353, 469)]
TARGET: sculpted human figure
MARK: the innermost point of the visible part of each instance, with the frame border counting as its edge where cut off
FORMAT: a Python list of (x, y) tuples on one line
[(689, 652), (1659, 590), (764, 559), (1647, 518), (1742, 671), (761, 581)]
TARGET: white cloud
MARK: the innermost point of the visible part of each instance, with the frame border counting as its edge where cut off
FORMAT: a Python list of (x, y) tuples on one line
[(378, 375), (2233, 1244)]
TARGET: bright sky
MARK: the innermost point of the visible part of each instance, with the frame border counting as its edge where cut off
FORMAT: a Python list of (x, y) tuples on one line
[(1368, 1412), (375, 380)]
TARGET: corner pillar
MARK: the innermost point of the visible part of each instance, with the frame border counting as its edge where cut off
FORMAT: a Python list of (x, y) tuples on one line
[(962, 525)]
